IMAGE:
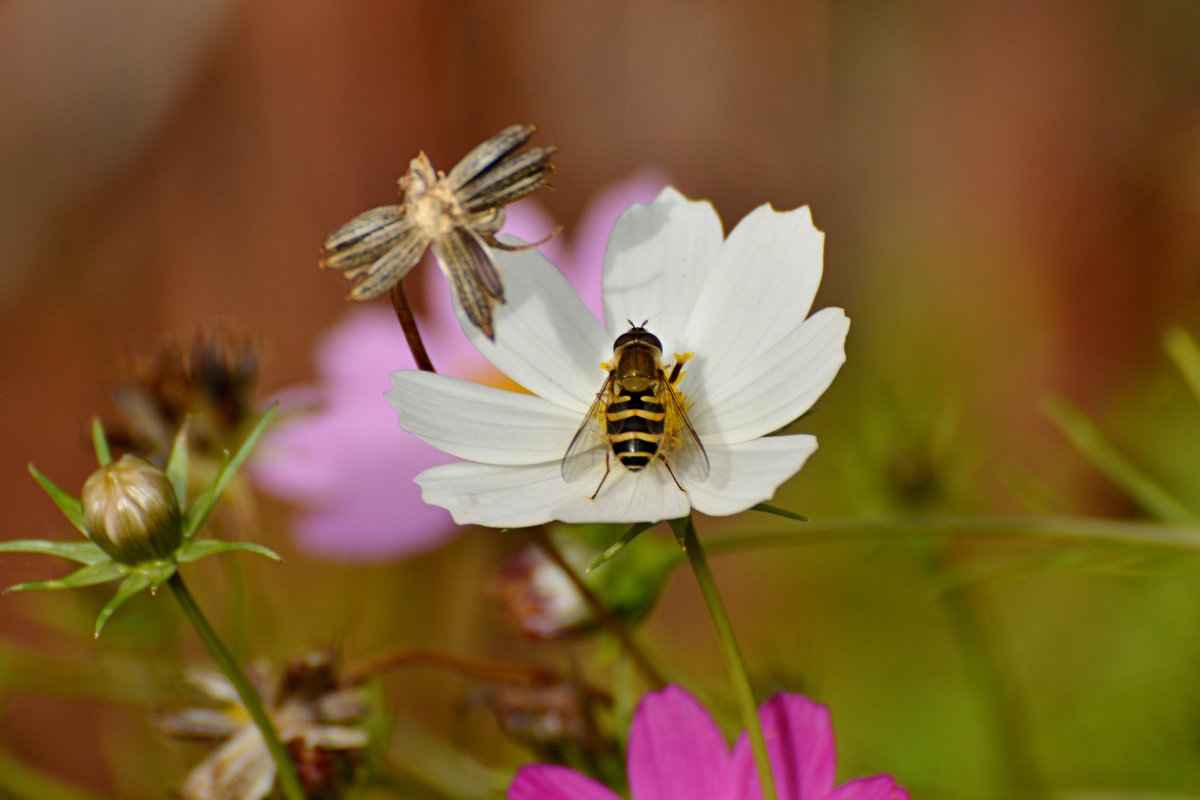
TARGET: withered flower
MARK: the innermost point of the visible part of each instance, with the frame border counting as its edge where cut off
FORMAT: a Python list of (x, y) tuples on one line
[(457, 214), (211, 385), (318, 718)]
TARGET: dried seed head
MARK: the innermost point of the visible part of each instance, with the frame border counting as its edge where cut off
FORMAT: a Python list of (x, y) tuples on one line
[(131, 512), (458, 214)]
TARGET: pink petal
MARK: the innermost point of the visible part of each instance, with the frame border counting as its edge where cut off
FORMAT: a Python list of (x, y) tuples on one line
[(676, 751), (800, 743), (881, 787), (347, 464), (547, 782)]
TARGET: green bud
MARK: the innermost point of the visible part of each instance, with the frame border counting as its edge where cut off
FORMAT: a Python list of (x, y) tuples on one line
[(130, 511)]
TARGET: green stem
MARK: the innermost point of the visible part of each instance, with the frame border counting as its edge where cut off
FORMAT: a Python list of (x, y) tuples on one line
[(289, 781), (1005, 713), (1076, 530), (729, 648)]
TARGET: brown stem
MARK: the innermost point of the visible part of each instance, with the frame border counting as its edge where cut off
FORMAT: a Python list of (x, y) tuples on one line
[(409, 324), (602, 613), (494, 671)]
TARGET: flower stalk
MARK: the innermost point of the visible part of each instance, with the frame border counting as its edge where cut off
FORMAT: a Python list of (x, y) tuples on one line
[(685, 532), (409, 324), (289, 781)]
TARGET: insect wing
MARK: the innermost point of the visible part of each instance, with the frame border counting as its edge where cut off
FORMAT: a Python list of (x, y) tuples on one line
[(688, 459), (589, 447)]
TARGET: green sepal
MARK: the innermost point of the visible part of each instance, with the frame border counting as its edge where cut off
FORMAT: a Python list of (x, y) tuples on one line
[(635, 530), (71, 508), (177, 466), (198, 513), (195, 550), (779, 512), (679, 528), (100, 572), (159, 572), (132, 584), (100, 443), (81, 552)]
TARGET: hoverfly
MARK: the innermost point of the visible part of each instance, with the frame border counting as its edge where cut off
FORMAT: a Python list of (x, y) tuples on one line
[(456, 214), (637, 416)]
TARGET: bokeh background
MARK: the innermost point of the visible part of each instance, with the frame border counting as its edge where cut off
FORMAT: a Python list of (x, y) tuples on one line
[(1011, 197)]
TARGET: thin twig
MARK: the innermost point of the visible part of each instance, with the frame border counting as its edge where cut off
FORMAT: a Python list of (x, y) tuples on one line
[(494, 671), (409, 324), (603, 614)]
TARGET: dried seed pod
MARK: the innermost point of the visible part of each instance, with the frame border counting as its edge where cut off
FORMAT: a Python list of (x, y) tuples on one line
[(457, 215)]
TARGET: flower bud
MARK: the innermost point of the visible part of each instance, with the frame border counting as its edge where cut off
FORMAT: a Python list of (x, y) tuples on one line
[(131, 512)]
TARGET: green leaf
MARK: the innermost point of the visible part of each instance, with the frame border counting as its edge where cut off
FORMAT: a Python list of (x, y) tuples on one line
[(67, 504), (198, 514), (779, 512), (129, 587), (634, 531), (101, 572), (1181, 347), (177, 466), (100, 443), (1091, 444), (198, 549), (81, 552)]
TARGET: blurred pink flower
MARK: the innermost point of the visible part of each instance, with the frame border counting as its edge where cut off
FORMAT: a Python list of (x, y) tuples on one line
[(676, 752), (347, 464)]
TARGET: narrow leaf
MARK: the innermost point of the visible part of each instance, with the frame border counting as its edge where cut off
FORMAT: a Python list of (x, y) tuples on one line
[(619, 545), (90, 575), (780, 512), (1091, 444), (100, 443), (198, 514), (129, 587), (81, 552), (177, 466), (202, 548), (67, 504), (1181, 347)]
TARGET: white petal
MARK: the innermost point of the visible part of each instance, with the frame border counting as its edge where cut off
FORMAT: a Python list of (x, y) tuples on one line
[(759, 291), (655, 264), (774, 388), (648, 495), (519, 496), (746, 474), (497, 496), (546, 339), (481, 423)]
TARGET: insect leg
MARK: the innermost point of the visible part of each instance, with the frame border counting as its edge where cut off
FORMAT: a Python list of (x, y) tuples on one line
[(607, 468)]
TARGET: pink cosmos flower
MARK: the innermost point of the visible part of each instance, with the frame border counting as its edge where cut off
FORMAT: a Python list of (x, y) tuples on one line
[(347, 465), (676, 752)]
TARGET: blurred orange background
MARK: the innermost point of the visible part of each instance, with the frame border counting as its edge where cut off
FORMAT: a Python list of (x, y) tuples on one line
[(1010, 193)]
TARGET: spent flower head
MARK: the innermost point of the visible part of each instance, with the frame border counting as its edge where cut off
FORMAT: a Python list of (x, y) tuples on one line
[(732, 356), (133, 515), (455, 214), (317, 715), (677, 751), (337, 453)]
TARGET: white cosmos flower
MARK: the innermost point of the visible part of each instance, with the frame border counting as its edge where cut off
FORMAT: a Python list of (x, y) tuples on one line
[(739, 305)]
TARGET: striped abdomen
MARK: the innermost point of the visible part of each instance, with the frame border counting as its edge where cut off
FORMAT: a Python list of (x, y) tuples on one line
[(635, 422)]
